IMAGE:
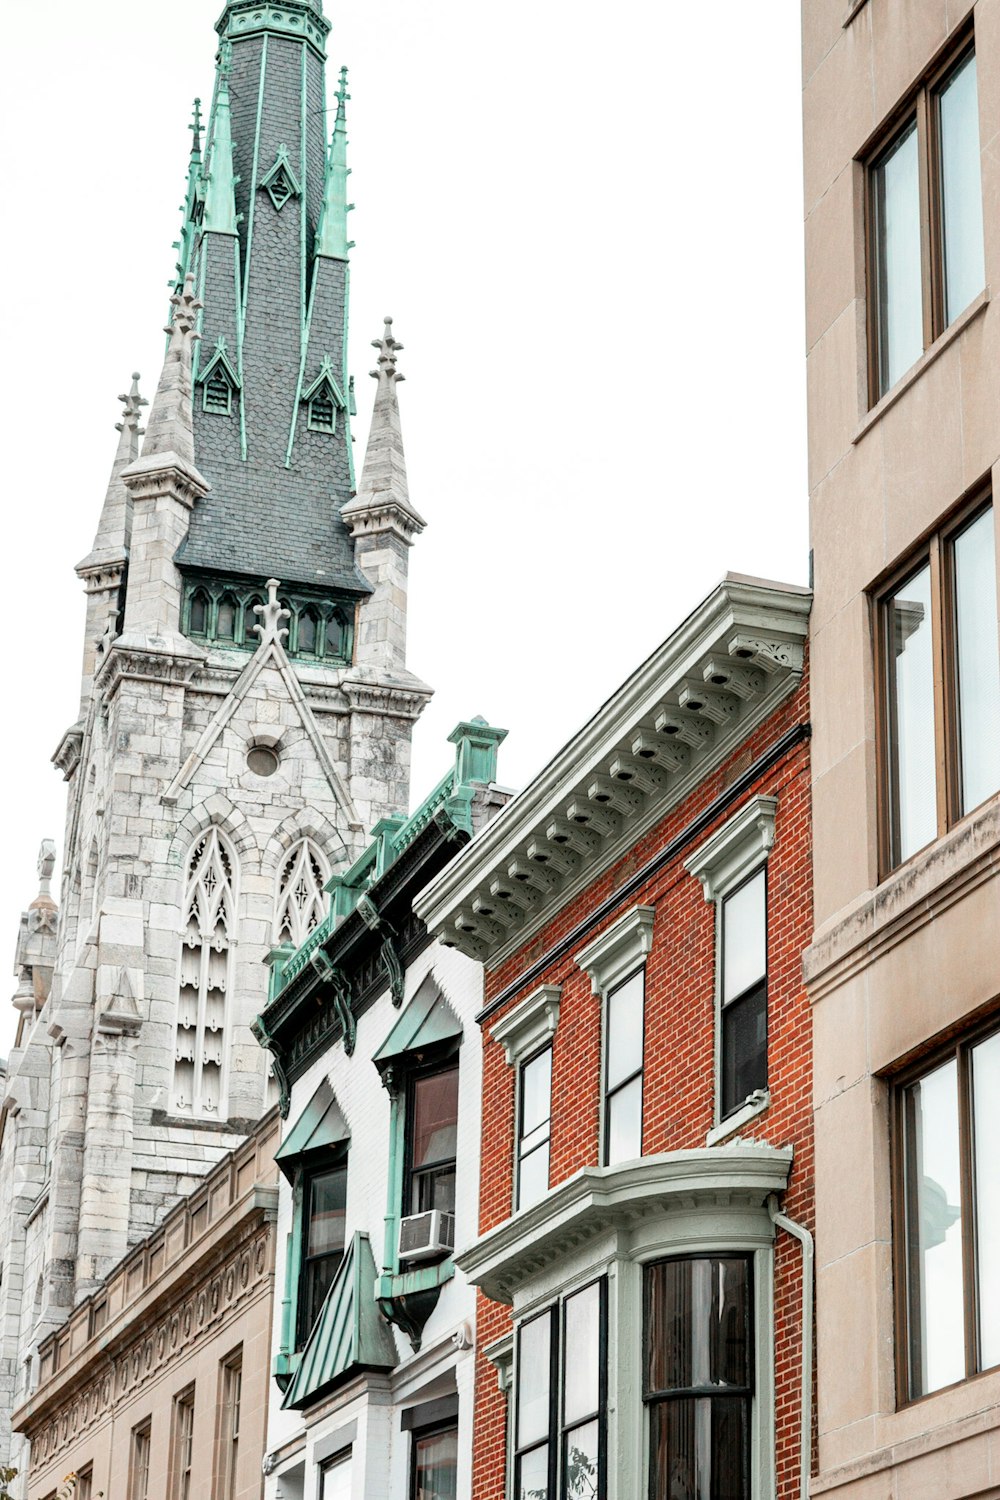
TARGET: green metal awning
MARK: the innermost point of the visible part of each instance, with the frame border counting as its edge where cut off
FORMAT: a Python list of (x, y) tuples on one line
[(320, 1124), (350, 1333), (426, 1021)]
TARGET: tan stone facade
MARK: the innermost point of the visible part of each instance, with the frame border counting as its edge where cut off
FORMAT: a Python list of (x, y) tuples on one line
[(157, 1384), (904, 958)]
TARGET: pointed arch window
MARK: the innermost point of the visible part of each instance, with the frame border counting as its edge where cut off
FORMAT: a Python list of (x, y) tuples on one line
[(300, 901), (225, 627), (335, 633), (198, 612), (206, 950), (308, 631)]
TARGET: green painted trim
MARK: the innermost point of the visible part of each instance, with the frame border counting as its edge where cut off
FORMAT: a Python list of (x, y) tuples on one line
[(331, 239), (280, 166), (326, 607), (220, 195), (250, 218), (287, 18), (349, 1334), (219, 357), (394, 1199), (405, 1283), (304, 215), (326, 374)]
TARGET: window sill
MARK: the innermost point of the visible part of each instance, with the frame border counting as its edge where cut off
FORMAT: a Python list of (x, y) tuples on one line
[(913, 374), (747, 1112)]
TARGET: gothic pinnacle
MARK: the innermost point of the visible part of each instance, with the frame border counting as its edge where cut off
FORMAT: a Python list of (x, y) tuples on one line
[(220, 197), (169, 429), (332, 239), (112, 537), (383, 484)]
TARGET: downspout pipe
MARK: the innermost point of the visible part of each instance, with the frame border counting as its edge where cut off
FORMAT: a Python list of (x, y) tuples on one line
[(805, 1239)]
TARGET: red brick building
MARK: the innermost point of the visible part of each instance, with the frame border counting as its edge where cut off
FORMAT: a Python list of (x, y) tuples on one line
[(645, 1324)]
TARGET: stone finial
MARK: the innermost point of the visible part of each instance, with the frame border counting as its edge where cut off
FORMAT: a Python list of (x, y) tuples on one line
[(170, 428), (46, 864), (272, 613), (133, 404), (111, 539), (388, 347)]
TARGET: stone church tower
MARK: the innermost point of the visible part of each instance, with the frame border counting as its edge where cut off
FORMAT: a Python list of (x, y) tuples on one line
[(245, 711)]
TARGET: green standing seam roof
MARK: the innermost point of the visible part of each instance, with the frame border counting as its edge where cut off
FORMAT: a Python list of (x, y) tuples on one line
[(320, 1124), (428, 1019), (350, 1332)]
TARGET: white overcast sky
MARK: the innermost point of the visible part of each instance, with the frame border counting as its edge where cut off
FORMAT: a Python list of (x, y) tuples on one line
[(585, 220)]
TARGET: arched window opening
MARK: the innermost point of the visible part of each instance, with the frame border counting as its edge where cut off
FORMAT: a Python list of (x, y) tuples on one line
[(209, 912), (225, 628), (334, 638), (308, 631), (300, 899), (250, 619), (198, 614)]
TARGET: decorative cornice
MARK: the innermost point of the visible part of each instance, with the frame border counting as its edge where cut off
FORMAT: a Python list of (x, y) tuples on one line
[(102, 573), (366, 516), (673, 722), (735, 849), (164, 474), (402, 700), (530, 1025), (596, 1199), (67, 753), (293, 18)]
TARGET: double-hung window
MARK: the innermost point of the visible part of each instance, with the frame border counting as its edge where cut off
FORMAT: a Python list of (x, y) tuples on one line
[(743, 995), (182, 1468), (229, 1436), (434, 1464), (561, 1400), (432, 1140), (534, 1127), (324, 1210), (939, 685), (925, 220), (138, 1484), (335, 1478), (698, 1377), (948, 1216), (624, 1023)]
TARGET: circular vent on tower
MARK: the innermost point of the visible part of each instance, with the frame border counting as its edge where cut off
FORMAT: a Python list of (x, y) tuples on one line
[(262, 760)]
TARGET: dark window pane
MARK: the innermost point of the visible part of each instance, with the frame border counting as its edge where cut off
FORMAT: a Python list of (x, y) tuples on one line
[(699, 1449), (334, 636), (986, 1121), (434, 1189), (898, 292), (624, 1131), (536, 1092), (624, 1030), (198, 618), (977, 660), (307, 631), (533, 1475), (582, 1354), (744, 937), (698, 1324), (933, 1190), (533, 1374), (435, 1118), (911, 690), (319, 1278), (744, 1049), (436, 1466), (327, 1207), (961, 193), (581, 1459)]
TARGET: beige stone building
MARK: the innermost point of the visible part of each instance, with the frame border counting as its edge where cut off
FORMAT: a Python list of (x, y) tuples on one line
[(902, 202), (157, 1384)]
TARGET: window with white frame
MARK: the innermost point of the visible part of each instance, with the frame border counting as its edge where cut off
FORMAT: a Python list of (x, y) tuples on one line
[(616, 962), (526, 1033), (732, 867), (335, 1478), (560, 1395), (534, 1128), (209, 915)]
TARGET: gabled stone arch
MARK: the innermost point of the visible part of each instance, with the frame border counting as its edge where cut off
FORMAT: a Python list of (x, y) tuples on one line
[(304, 823), (217, 810)]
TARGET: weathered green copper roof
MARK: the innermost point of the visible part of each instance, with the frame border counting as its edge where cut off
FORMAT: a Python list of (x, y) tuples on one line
[(332, 239), (191, 208), (302, 20), (427, 1021), (350, 1333), (320, 1125), (220, 195), (476, 744)]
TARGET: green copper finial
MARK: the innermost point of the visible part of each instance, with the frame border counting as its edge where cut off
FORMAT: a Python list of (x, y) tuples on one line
[(192, 206), (195, 128), (332, 240), (220, 198)]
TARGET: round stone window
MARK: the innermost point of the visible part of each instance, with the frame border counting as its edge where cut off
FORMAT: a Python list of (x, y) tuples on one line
[(262, 760)]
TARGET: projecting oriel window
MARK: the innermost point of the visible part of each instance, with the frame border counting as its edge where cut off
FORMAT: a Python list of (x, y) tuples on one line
[(939, 686), (925, 220), (947, 1120)]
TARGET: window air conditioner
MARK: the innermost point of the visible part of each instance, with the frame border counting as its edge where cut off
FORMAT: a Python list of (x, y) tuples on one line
[(426, 1236)]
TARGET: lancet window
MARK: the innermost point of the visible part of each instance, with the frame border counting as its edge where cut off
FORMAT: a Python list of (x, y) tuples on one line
[(221, 613), (206, 943), (301, 902)]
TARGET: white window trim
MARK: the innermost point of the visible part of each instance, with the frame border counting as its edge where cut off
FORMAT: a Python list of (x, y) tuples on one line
[(530, 1026), (619, 951), (733, 854)]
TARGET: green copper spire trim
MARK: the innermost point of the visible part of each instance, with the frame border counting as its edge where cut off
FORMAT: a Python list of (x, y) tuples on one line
[(242, 288), (279, 181), (332, 238), (192, 206), (300, 19), (220, 198), (349, 382), (326, 374)]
